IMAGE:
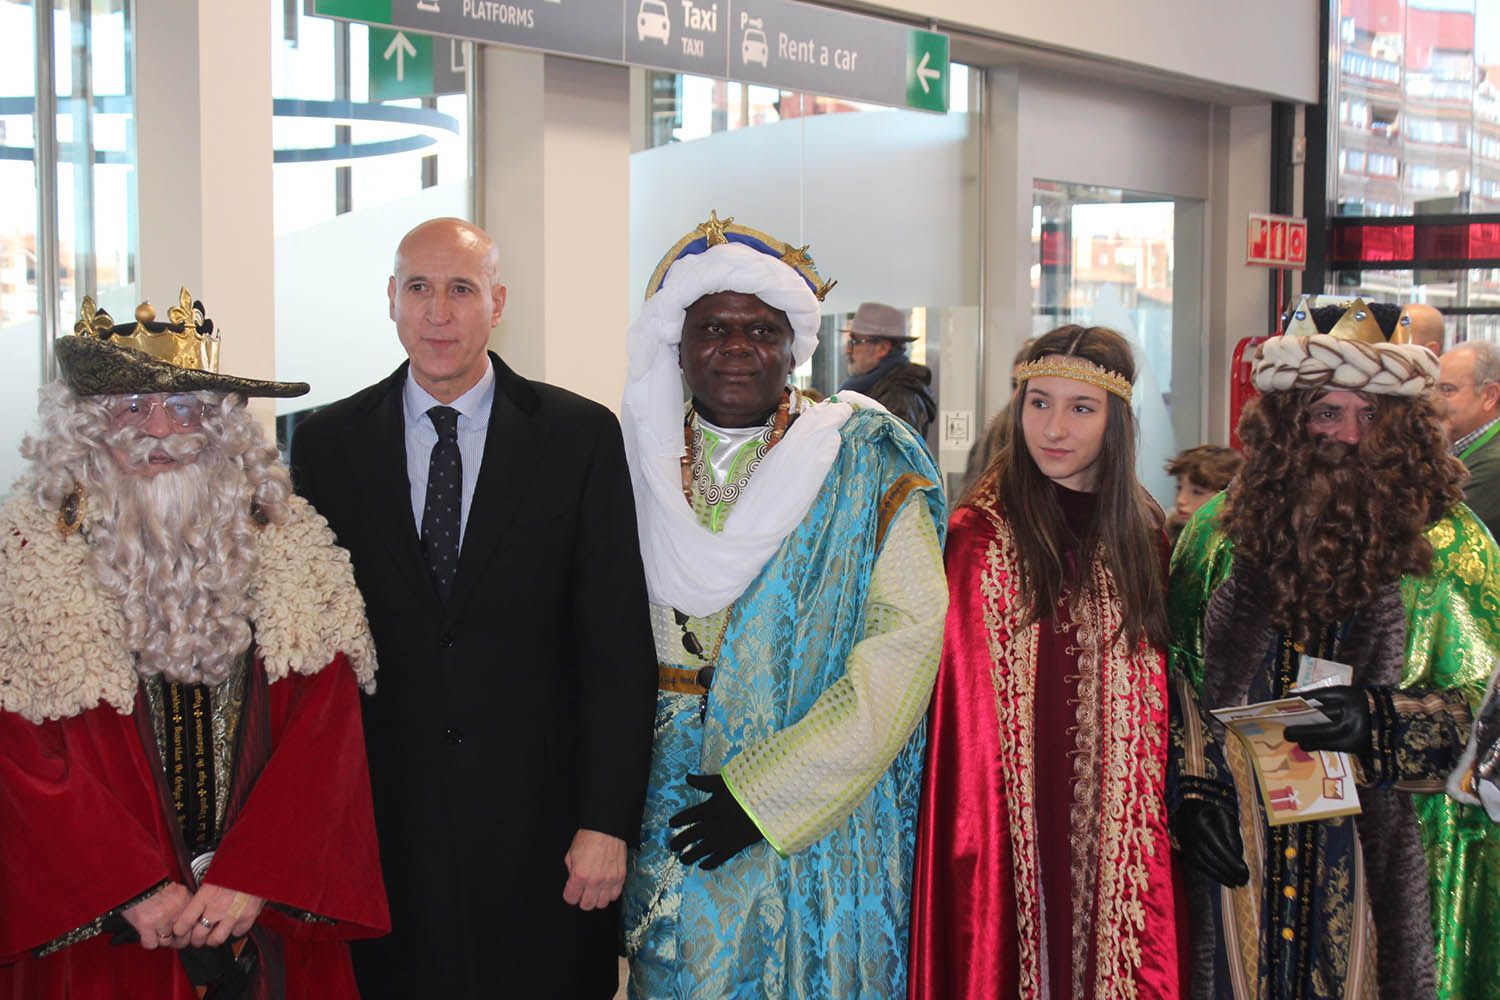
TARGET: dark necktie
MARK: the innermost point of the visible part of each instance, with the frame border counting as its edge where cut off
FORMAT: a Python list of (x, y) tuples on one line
[(442, 515)]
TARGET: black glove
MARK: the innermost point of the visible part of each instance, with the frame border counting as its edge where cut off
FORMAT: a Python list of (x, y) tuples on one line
[(1210, 841), (1348, 709), (713, 831)]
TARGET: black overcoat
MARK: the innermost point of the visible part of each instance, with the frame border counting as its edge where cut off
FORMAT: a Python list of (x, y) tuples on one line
[(513, 716)]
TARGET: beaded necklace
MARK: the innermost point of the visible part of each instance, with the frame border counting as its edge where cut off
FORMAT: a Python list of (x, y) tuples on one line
[(779, 423), (689, 447)]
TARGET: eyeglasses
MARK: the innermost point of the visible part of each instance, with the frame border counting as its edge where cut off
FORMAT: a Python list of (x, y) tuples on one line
[(859, 341), (184, 412)]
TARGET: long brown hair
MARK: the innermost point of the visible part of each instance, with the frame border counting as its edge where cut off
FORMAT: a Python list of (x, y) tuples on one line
[(1125, 528), (1323, 525)]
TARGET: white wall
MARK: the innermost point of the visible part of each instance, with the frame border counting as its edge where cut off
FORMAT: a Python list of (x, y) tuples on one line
[(1266, 46), (556, 199), (203, 134)]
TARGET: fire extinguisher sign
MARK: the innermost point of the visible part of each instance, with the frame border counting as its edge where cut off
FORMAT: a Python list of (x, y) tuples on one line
[(1277, 241)]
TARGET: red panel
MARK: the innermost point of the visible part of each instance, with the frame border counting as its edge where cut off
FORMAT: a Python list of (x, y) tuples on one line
[(1371, 243), (1438, 29), (1373, 16)]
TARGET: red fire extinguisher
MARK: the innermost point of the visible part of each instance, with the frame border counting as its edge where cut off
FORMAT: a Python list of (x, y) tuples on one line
[(1241, 389)]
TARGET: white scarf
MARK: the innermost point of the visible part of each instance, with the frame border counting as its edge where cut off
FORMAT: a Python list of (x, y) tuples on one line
[(689, 567)]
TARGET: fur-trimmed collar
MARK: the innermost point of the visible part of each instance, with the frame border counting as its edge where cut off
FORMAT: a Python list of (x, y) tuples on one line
[(62, 648)]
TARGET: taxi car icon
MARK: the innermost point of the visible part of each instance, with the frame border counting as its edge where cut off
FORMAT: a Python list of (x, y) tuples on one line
[(753, 48), (651, 21)]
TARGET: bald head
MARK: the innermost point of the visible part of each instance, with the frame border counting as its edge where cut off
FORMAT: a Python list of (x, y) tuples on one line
[(1426, 326), (1468, 386), (456, 233), (445, 298)]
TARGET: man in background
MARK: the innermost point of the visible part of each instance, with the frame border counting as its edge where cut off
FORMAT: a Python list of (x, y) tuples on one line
[(880, 368), (1468, 399), (1425, 326)]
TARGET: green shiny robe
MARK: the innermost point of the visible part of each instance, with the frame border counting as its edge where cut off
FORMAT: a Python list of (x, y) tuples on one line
[(1452, 638)]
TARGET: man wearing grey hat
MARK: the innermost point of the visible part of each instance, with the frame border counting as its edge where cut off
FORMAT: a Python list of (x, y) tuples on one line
[(880, 368)]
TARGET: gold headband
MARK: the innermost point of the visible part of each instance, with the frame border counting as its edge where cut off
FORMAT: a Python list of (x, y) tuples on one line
[(1077, 369)]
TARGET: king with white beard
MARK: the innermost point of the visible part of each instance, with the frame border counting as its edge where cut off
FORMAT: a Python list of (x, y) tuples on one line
[(183, 786)]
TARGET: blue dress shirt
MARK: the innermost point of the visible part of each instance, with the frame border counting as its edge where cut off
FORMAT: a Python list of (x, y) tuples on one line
[(473, 423)]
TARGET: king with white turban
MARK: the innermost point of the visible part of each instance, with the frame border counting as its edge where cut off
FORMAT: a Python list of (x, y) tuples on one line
[(792, 553)]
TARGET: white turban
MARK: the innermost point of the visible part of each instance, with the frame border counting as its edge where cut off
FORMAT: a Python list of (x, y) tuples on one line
[(687, 566)]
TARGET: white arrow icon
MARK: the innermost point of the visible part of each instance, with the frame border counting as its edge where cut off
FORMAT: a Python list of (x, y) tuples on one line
[(924, 73), (402, 47)]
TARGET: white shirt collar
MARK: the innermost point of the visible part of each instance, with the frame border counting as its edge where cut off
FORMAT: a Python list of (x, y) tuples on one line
[(471, 406)]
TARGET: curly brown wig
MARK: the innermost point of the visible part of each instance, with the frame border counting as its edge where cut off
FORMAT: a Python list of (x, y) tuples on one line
[(1324, 524)]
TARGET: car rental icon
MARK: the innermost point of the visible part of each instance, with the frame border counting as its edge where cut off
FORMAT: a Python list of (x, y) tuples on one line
[(652, 22), (753, 47)]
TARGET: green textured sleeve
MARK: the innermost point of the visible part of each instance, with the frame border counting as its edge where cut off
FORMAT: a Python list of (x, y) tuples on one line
[(800, 783), (1453, 613), (1200, 562)]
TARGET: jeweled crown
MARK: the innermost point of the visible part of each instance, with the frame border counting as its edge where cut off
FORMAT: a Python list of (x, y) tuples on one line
[(187, 340)]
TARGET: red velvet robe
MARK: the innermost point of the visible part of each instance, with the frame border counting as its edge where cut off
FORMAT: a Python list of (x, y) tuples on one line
[(82, 830), (993, 887)]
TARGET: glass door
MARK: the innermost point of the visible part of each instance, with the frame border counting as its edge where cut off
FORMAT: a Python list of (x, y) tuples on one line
[(1130, 261)]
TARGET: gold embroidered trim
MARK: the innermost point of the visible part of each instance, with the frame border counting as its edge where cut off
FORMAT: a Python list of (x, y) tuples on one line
[(1015, 646), (895, 499), (1079, 370), (1083, 814), (1128, 769)]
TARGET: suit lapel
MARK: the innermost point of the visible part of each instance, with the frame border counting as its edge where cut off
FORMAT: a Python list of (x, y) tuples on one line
[(378, 447), (513, 446)]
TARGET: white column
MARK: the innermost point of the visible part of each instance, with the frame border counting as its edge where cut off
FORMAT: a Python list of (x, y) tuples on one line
[(203, 128), (1237, 292), (557, 200)]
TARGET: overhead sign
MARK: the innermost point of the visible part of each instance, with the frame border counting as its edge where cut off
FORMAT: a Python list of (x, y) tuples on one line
[(777, 43), (411, 64), (782, 43), (1277, 241)]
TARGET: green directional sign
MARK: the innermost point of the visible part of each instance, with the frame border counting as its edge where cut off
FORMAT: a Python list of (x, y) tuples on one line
[(927, 70), (400, 65)]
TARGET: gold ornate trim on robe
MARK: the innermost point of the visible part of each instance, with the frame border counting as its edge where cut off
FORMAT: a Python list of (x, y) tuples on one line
[(1124, 802)]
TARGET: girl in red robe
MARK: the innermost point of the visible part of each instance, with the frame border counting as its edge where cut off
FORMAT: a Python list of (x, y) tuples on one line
[(1043, 861)]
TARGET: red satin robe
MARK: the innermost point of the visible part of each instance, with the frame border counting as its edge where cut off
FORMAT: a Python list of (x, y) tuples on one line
[(82, 830), (1006, 816)]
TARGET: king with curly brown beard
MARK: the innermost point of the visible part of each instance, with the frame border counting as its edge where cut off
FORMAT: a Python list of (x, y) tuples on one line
[(1343, 538)]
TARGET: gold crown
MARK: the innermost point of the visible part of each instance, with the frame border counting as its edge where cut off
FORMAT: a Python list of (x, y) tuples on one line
[(1358, 323), (716, 231), (1076, 368), (187, 340)]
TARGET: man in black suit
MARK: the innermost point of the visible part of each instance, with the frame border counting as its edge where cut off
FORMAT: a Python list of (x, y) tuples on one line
[(493, 535)]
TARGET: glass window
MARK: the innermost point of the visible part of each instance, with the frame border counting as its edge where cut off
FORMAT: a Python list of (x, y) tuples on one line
[(1107, 257), (93, 228), (351, 176)]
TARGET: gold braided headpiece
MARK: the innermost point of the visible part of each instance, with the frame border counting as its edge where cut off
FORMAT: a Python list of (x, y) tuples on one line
[(1076, 368)]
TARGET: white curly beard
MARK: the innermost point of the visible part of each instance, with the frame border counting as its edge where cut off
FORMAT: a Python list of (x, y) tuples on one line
[(176, 550)]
